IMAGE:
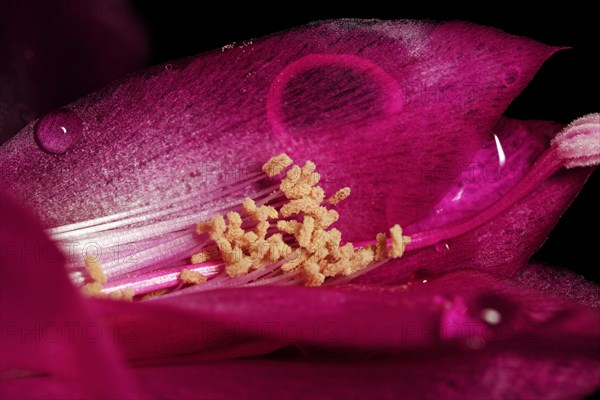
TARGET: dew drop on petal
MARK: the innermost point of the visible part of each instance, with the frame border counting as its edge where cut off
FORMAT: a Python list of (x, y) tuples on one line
[(442, 247), (168, 67), (491, 316), (492, 309), (58, 131)]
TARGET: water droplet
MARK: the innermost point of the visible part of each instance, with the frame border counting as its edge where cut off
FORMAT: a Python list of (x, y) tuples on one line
[(168, 67), (491, 316), (442, 247), (58, 131), (492, 309)]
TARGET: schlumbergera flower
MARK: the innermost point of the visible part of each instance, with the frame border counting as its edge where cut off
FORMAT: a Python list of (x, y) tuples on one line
[(368, 159)]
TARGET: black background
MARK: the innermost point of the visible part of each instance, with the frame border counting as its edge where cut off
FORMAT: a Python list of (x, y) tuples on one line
[(566, 87)]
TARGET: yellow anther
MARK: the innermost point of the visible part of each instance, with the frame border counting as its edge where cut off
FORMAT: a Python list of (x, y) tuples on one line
[(261, 229), (277, 248), (317, 194), (234, 226), (258, 250), (319, 255), (249, 206), (381, 249), (240, 267), (93, 267), (302, 189), (277, 164), (295, 261), (334, 236), (124, 295), (300, 206), (314, 178), (318, 241), (316, 249), (399, 242), (217, 228), (294, 174), (305, 232), (264, 213), (362, 258), (329, 218), (339, 196), (192, 277), (308, 168), (312, 274), (154, 294), (204, 227), (234, 218), (299, 182), (247, 240), (204, 256), (93, 289), (291, 227)]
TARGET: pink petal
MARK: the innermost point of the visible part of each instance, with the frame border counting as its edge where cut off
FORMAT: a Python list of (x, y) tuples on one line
[(504, 245), (371, 102), (54, 52), (427, 340), (444, 313), (474, 375), (46, 326)]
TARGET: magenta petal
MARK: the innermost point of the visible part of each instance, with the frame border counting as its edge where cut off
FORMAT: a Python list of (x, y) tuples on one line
[(46, 327), (427, 340), (473, 375), (505, 244), (383, 93), (54, 52), (445, 313)]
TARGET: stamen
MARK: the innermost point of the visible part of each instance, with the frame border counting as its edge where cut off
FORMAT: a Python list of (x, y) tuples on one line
[(279, 236), (399, 242), (93, 267), (317, 254), (192, 277), (340, 195), (204, 256), (277, 164)]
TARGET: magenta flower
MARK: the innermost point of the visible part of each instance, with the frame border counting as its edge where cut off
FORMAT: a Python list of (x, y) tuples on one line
[(408, 115)]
